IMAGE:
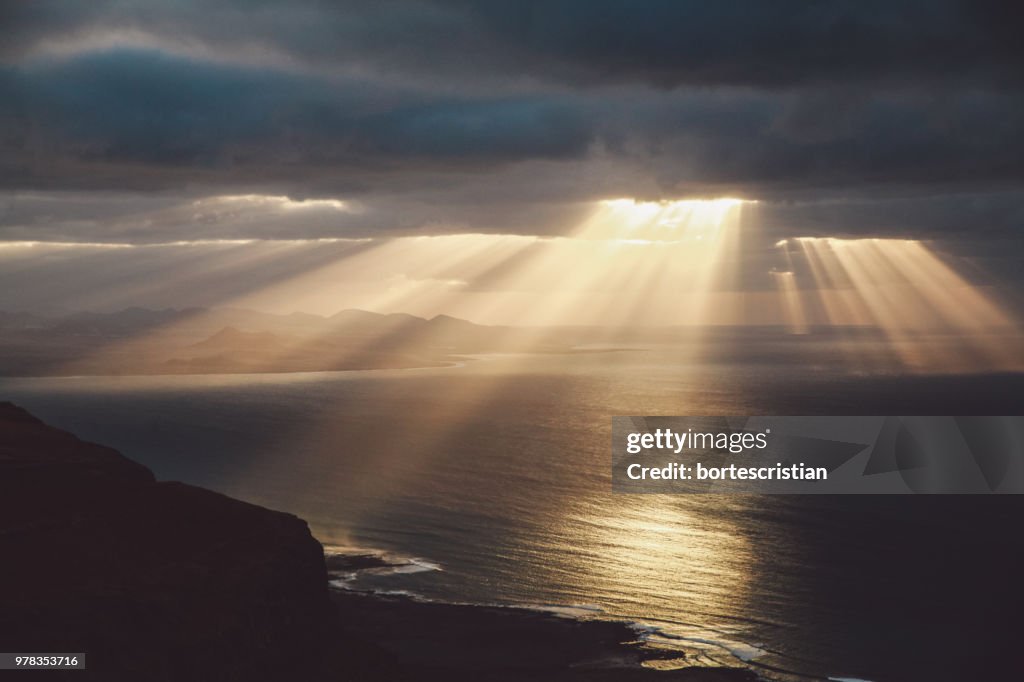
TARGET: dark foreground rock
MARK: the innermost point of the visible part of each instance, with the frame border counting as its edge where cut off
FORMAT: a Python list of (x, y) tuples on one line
[(155, 581)]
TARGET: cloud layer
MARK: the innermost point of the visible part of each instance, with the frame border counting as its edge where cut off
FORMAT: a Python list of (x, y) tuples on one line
[(680, 97), (134, 122)]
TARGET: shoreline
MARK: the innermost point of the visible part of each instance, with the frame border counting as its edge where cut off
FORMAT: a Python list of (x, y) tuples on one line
[(404, 638), (509, 641)]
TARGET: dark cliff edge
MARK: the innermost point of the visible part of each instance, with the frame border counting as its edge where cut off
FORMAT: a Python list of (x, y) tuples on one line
[(154, 581)]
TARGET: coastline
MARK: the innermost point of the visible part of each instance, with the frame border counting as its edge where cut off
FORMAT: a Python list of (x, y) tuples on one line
[(407, 639), (171, 581), (600, 641), (504, 641)]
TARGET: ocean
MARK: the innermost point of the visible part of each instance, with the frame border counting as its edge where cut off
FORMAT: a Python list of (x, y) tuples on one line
[(489, 482)]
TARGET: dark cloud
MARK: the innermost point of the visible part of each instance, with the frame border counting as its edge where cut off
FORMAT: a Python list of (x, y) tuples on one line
[(148, 107), (102, 117), (665, 42), (672, 42)]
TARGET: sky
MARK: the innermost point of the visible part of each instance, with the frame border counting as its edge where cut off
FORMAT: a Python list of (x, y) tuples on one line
[(185, 128)]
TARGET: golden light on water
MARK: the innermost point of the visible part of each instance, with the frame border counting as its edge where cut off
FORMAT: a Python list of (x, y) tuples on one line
[(653, 555)]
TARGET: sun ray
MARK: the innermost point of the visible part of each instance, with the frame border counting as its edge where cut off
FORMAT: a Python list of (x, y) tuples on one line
[(933, 318), (792, 302)]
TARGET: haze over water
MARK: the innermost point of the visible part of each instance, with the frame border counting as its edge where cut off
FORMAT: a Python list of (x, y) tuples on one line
[(497, 471)]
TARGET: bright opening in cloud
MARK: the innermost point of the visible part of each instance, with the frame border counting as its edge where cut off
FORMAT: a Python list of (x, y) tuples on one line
[(669, 220), (274, 202)]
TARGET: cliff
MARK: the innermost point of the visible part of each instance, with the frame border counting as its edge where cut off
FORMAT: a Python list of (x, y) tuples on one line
[(155, 581)]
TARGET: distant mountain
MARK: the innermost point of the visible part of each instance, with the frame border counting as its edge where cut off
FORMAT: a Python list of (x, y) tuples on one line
[(352, 316), (218, 340), (364, 323)]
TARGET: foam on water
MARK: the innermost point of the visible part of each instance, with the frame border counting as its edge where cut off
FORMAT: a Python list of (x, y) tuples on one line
[(574, 611), (377, 563)]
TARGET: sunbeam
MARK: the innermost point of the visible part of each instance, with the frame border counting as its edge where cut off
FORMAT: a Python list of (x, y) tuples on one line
[(935, 320), (792, 302)]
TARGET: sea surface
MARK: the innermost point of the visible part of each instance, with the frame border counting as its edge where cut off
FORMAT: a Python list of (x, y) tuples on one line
[(489, 482)]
